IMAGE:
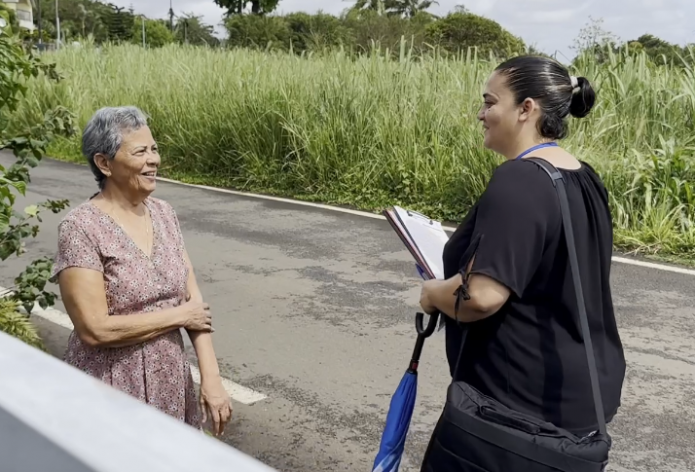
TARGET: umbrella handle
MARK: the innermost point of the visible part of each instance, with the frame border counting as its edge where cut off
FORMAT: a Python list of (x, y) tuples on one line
[(422, 334), (431, 324)]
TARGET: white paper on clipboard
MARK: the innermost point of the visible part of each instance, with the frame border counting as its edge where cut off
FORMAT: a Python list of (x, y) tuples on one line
[(428, 236)]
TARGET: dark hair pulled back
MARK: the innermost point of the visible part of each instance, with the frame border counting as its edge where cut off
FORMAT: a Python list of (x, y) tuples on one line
[(550, 84)]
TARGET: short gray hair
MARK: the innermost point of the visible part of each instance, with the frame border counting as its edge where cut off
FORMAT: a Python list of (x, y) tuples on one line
[(104, 134)]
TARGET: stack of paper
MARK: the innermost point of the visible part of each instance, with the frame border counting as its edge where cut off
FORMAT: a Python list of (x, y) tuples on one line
[(423, 237)]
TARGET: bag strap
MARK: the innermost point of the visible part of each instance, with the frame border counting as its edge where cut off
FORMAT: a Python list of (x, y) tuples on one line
[(559, 184)]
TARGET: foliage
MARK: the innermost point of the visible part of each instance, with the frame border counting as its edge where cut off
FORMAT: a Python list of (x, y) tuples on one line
[(106, 22), (373, 32), (320, 32), (263, 32), (378, 6), (660, 51), (460, 31), (258, 7), (18, 325), (369, 132), (408, 8), (362, 30), (120, 24), (10, 17), (157, 33), (29, 144), (191, 29), (83, 18), (595, 41)]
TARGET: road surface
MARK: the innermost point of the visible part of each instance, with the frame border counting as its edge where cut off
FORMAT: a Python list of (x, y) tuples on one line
[(314, 309)]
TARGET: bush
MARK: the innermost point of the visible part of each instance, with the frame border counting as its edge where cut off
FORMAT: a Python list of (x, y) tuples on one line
[(258, 32), (362, 31), (18, 324), (28, 139), (316, 32), (458, 32)]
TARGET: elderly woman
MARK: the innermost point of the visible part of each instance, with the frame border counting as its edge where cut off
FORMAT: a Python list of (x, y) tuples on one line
[(127, 283)]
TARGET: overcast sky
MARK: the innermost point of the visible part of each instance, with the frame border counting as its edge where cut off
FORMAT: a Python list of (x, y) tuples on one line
[(551, 25)]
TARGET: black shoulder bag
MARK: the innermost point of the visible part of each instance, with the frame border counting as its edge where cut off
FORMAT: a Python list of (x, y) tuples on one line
[(475, 433)]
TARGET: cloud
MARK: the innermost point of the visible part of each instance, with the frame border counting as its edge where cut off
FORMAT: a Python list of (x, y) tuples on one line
[(552, 16)]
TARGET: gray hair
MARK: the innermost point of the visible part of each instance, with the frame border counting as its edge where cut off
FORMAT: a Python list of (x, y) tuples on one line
[(104, 134)]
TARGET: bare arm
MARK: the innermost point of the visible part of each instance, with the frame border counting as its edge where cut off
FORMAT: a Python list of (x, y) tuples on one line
[(202, 341), (82, 291), (487, 296)]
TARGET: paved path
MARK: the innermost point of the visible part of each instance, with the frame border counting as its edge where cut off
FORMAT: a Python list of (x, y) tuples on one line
[(314, 309)]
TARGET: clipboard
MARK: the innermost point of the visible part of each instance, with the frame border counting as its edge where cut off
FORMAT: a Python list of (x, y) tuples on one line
[(425, 240), (423, 237)]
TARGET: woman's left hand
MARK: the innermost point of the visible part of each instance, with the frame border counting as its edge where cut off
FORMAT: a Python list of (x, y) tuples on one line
[(426, 296), (215, 401)]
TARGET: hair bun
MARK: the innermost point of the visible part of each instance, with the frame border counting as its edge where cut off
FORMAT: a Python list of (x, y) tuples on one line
[(583, 99)]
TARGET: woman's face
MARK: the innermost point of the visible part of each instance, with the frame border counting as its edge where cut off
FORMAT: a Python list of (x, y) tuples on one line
[(499, 115), (134, 168)]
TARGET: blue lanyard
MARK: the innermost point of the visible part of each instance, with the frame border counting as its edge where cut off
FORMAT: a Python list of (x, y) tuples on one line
[(534, 148)]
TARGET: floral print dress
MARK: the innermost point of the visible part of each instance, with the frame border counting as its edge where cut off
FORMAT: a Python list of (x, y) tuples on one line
[(156, 372)]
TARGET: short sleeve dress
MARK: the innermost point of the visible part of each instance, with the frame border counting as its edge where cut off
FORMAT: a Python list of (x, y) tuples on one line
[(156, 372), (529, 355)]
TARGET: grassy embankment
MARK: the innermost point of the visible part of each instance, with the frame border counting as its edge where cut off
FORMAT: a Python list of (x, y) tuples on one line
[(372, 132)]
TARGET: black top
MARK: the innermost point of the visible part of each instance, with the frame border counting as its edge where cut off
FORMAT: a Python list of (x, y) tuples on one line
[(529, 355)]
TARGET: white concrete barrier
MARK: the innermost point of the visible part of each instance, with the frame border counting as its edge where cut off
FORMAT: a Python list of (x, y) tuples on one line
[(56, 418)]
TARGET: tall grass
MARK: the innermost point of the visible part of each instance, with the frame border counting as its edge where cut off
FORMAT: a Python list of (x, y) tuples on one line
[(371, 132)]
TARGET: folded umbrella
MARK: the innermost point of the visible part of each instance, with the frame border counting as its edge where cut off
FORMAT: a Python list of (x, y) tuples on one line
[(388, 459)]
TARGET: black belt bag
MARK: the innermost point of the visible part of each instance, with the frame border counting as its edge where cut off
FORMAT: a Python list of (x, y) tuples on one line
[(476, 433)]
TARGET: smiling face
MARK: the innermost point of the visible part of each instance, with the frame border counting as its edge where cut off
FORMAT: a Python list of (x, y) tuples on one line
[(134, 168), (504, 121)]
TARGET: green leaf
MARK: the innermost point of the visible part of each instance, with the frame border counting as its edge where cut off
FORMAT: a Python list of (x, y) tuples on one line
[(4, 222), (20, 186)]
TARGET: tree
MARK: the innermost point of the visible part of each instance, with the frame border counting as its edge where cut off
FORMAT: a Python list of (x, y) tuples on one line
[(157, 32), (258, 7), (257, 31), (659, 51), (120, 24), (190, 29), (405, 8), (594, 40), (410, 8), (459, 31), (28, 145), (379, 6), (593, 35), (78, 19)]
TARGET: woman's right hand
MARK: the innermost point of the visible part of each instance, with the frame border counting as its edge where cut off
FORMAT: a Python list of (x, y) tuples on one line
[(196, 316)]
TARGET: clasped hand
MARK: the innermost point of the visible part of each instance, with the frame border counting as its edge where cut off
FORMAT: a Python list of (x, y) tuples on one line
[(196, 316), (428, 295)]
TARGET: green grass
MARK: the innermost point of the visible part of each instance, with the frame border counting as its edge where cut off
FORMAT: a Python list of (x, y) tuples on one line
[(372, 132)]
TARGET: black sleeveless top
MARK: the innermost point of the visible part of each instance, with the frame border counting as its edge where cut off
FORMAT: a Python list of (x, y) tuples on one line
[(529, 355)]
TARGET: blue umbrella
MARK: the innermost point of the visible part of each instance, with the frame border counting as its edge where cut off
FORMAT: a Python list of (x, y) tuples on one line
[(388, 459)]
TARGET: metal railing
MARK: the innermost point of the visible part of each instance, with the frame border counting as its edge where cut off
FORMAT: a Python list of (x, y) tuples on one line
[(55, 418)]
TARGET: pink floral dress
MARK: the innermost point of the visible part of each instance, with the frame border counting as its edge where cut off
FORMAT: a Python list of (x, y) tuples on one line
[(156, 372)]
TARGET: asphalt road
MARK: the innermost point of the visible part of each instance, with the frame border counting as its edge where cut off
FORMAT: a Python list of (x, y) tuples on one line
[(314, 308)]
